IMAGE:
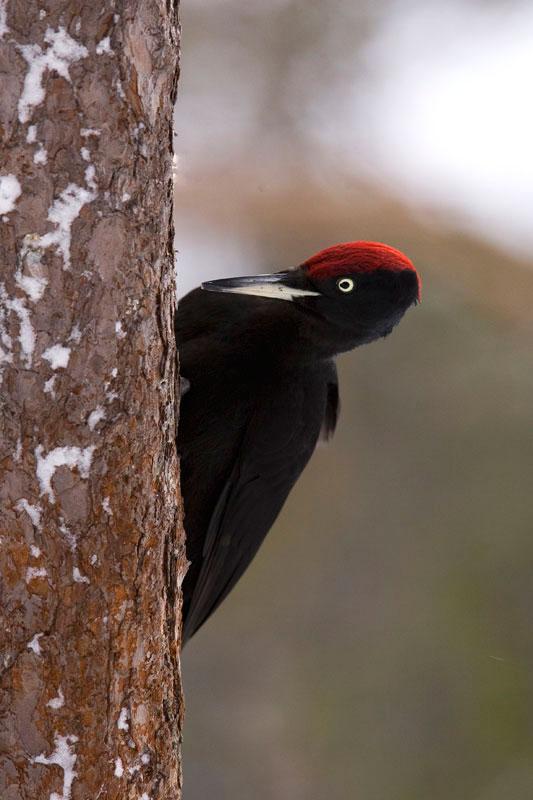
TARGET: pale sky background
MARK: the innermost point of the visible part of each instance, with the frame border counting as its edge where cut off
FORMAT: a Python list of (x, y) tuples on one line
[(436, 108), (453, 123), (393, 659)]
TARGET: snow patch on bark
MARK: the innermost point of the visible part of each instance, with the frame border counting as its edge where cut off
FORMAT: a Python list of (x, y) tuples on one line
[(104, 46), (62, 213), (110, 395), (6, 356), (89, 177), (26, 335), (41, 156), (49, 386), (65, 757), (119, 331), (10, 191), (34, 513), (26, 332), (122, 723), (78, 577), (75, 335), (118, 86), (34, 645), (34, 287), (35, 572), (29, 258), (119, 769), (58, 457), (57, 702), (107, 508), (3, 19), (68, 534), (63, 50), (95, 417), (57, 355)]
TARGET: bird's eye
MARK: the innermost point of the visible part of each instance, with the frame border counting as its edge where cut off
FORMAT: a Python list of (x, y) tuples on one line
[(345, 285)]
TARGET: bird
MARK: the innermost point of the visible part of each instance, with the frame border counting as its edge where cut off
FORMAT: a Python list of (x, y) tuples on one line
[(260, 389)]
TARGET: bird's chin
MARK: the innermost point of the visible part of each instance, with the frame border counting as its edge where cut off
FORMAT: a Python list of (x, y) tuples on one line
[(309, 307), (387, 332)]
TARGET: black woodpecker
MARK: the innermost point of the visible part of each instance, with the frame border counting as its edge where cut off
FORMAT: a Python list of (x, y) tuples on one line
[(258, 355)]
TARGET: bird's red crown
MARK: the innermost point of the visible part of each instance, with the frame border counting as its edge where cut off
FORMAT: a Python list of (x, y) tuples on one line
[(356, 257)]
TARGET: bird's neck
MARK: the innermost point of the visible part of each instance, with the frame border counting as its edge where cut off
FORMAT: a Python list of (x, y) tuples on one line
[(280, 333)]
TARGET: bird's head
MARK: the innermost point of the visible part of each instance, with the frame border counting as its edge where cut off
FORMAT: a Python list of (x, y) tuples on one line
[(351, 293)]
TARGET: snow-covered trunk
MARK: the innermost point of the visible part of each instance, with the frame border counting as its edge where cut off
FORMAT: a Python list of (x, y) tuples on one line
[(91, 548)]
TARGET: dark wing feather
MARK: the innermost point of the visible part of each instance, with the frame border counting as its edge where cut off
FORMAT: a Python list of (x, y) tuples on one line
[(276, 447), (333, 406)]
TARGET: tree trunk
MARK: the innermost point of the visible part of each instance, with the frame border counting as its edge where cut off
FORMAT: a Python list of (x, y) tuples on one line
[(92, 554)]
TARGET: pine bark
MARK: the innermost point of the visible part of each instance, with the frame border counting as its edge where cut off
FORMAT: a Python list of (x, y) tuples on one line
[(92, 549)]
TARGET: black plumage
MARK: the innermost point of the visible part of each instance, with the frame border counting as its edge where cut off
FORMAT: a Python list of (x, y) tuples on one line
[(262, 385)]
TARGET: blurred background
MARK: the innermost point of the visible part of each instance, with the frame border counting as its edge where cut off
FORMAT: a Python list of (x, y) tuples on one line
[(380, 647)]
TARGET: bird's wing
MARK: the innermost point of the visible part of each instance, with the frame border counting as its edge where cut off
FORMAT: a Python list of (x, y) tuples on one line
[(278, 444), (333, 406)]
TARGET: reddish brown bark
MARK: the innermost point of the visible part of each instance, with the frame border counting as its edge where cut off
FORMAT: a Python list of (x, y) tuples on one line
[(91, 549)]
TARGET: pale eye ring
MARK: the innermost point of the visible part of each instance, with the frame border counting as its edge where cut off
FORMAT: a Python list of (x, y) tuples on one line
[(345, 285)]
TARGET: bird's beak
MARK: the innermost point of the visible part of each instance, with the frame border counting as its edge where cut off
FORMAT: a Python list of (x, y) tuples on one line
[(279, 285)]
